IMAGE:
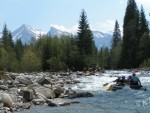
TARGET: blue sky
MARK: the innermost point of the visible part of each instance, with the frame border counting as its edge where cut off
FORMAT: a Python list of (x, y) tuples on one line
[(64, 14)]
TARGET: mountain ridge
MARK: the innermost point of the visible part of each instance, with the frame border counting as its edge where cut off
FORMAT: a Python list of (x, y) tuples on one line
[(27, 32)]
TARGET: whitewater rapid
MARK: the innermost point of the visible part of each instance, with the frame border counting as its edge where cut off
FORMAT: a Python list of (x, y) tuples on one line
[(120, 101), (95, 82)]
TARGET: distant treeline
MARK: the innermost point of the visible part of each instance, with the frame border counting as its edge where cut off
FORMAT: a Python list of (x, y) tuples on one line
[(79, 52)]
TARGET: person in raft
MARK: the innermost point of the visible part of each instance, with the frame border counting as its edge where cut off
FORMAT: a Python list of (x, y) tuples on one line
[(135, 80)]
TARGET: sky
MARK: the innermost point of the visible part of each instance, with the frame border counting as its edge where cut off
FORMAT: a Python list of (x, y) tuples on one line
[(65, 14)]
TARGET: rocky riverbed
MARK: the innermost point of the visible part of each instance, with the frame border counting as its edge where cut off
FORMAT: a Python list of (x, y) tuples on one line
[(20, 91)]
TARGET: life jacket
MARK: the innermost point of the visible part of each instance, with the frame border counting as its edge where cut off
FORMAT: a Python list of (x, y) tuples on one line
[(135, 79)]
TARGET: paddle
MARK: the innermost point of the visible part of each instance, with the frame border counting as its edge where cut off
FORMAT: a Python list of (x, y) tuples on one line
[(107, 83)]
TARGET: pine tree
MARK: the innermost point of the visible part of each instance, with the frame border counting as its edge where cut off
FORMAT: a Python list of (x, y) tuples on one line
[(116, 41), (116, 46), (84, 41), (5, 36), (143, 50), (143, 24), (85, 36), (130, 36)]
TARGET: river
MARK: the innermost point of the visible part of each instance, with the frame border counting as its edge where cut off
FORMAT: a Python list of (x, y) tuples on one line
[(120, 101)]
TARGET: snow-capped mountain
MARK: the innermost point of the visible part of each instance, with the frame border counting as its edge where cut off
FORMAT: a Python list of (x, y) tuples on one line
[(26, 32), (102, 39), (56, 32)]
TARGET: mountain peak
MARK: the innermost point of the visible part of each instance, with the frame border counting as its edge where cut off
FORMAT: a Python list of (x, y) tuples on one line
[(56, 32), (26, 32), (25, 25)]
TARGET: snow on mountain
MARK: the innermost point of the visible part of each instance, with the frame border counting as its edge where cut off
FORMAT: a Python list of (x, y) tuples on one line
[(25, 33), (102, 39), (56, 32)]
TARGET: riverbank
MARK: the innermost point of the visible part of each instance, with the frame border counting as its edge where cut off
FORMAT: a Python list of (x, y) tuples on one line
[(20, 91)]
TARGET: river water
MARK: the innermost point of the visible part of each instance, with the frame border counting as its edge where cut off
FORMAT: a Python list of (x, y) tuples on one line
[(120, 101)]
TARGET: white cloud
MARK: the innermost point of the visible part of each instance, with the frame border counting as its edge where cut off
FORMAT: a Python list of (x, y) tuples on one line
[(73, 29), (106, 26), (145, 3)]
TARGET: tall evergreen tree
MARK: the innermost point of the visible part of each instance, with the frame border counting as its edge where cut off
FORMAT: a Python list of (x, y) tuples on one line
[(116, 46), (143, 24), (116, 41), (7, 40), (130, 36), (5, 36), (143, 50), (85, 36), (84, 41)]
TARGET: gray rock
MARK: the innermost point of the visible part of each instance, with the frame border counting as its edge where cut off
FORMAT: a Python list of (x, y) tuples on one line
[(3, 87), (6, 100), (43, 81), (25, 81), (58, 91), (38, 101), (28, 94), (48, 93), (58, 102), (71, 93), (84, 94)]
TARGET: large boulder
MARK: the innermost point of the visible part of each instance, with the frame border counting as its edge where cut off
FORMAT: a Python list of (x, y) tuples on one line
[(71, 93), (58, 90), (25, 81), (48, 93), (28, 94), (43, 81), (6, 100)]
